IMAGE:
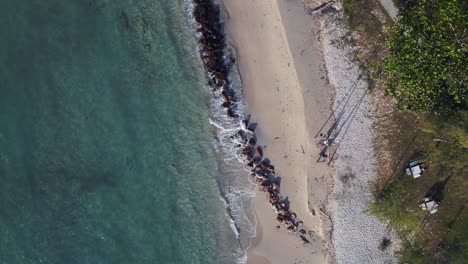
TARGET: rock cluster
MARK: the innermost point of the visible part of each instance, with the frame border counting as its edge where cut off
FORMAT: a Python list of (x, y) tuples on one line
[(263, 173), (218, 63), (212, 45)]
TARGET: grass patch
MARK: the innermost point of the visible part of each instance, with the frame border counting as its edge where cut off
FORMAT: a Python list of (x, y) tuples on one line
[(351, 8), (367, 19), (439, 141), (441, 237)]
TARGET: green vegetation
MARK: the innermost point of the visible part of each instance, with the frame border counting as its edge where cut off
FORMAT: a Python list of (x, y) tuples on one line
[(421, 60), (442, 237), (353, 7), (360, 16), (426, 70), (367, 19), (400, 207), (427, 66), (453, 128)]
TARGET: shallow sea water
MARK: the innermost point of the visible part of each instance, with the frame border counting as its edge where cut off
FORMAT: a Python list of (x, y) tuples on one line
[(106, 151)]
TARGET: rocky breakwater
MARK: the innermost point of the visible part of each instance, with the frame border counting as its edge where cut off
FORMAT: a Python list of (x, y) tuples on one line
[(263, 173), (218, 62)]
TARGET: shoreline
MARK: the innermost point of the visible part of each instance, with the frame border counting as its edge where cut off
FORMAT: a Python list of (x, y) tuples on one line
[(295, 212), (281, 90), (297, 73)]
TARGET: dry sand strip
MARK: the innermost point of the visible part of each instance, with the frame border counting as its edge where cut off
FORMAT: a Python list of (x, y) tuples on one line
[(286, 88)]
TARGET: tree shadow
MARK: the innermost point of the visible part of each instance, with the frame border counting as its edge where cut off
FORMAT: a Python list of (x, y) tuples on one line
[(436, 191), (398, 164), (417, 155)]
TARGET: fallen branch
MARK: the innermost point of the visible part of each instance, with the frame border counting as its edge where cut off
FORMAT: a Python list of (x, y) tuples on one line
[(320, 7)]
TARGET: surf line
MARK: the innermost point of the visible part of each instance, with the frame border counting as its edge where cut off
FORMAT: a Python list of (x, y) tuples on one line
[(218, 62)]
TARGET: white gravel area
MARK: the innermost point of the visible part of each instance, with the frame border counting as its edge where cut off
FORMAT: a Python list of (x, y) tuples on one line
[(356, 236)]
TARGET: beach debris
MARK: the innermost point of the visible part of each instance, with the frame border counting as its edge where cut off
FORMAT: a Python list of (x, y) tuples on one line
[(320, 7)]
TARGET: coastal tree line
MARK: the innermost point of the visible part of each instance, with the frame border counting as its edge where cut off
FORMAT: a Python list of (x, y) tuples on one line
[(424, 66)]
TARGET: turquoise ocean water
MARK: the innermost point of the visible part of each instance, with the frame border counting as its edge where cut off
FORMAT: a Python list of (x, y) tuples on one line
[(106, 151)]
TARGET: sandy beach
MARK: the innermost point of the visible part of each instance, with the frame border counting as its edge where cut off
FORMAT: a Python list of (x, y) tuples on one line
[(286, 88), (300, 80)]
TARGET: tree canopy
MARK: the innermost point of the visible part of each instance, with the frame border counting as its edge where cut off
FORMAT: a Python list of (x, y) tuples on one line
[(426, 69)]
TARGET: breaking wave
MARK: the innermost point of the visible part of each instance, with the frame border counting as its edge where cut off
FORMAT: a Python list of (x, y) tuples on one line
[(236, 189)]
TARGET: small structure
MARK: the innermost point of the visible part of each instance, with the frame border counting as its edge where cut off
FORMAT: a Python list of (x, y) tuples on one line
[(430, 205), (415, 169)]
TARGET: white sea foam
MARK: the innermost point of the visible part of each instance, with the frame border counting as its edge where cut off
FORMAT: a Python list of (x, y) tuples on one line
[(236, 187), (237, 190)]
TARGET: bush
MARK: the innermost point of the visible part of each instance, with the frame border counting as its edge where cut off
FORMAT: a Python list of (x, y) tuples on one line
[(385, 244), (427, 62)]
